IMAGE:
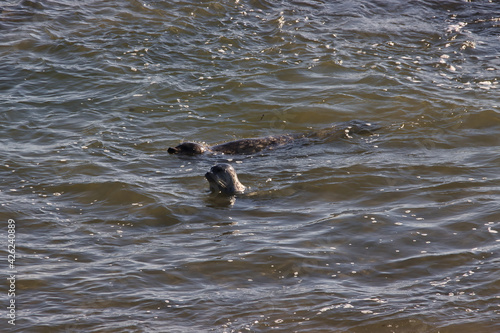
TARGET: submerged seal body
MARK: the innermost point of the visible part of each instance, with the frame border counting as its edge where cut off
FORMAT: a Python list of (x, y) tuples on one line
[(223, 179), (255, 145), (238, 147)]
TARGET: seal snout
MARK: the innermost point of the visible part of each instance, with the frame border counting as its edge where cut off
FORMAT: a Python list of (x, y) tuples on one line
[(210, 176)]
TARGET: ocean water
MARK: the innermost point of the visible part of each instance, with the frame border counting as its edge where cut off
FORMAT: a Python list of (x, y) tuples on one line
[(391, 232)]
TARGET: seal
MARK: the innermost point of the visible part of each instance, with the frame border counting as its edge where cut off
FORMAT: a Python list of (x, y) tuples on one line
[(222, 179), (255, 145), (238, 147)]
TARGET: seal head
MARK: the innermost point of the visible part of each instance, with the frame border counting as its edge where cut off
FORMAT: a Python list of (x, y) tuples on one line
[(223, 179), (188, 148)]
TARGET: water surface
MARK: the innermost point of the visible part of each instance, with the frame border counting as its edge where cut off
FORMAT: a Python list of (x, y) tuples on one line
[(393, 232)]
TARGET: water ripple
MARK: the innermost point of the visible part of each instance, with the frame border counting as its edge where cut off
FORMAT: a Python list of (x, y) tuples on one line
[(392, 231)]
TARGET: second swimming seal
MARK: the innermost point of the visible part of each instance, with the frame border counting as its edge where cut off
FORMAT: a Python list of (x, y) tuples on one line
[(255, 145)]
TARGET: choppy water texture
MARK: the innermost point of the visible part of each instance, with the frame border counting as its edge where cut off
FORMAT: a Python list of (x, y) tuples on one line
[(394, 232)]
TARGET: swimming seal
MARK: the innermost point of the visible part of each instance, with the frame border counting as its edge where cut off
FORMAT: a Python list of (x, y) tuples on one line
[(222, 179), (238, 147), (255, 145)]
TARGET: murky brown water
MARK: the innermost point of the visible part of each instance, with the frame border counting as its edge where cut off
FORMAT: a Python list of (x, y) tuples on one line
[(394, 232)]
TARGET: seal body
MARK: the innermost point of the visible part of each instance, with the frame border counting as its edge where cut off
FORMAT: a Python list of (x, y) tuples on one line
[(255, 145), (237, 147), (251, 146)]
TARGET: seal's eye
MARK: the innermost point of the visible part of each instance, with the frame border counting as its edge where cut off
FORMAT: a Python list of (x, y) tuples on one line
[(222, 169), (217, 168)]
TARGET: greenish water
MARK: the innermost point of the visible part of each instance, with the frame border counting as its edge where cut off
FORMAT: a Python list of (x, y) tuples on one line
[(393, 232)]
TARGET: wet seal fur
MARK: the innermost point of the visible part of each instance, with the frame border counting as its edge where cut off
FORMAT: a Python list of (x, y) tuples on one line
[(223, 179), (255, 145)]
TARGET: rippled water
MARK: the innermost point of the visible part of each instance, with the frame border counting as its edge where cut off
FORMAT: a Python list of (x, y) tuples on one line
[(394, 232)]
